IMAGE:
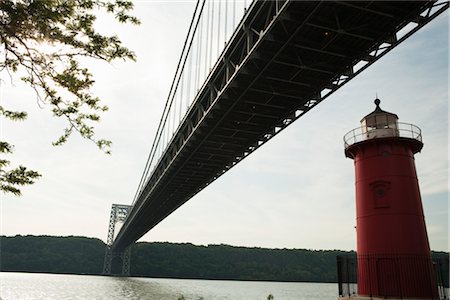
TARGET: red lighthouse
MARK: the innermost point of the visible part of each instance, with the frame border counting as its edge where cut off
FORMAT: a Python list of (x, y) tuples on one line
[(393, 251)]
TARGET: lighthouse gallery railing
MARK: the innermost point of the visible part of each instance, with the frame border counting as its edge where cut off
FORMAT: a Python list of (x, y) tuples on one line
[(404, 130)]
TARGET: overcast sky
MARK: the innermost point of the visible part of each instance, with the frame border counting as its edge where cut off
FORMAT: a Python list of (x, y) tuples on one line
[(297, 191)]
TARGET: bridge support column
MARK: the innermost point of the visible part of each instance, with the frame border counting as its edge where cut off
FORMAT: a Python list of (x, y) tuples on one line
[(118, 214), (124, 256)]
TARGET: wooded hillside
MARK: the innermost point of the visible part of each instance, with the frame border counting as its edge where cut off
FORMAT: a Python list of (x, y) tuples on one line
[(82, 255)]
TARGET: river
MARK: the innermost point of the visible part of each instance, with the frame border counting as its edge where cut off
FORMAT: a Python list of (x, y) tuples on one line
[(16, 286)]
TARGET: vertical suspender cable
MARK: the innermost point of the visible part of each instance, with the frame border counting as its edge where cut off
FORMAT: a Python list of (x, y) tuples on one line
[(226, 18), (189, 85), (199, 56), (234, 14), (218, 29), (181, 94), (174, 115), (195, 56), (211, 38), (168, 126), (196, 51), (207, 38)]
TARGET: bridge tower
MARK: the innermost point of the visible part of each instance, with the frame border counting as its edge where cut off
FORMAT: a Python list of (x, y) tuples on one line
[(118, 214), (393, 252)]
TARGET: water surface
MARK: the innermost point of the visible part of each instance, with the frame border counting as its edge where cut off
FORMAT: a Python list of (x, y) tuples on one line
[(16, 286)]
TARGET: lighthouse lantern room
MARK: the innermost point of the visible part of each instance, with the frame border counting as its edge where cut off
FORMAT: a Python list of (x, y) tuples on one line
[(380, 123)]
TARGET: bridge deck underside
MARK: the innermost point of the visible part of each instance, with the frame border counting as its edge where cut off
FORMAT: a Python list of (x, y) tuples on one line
[(273, 70)]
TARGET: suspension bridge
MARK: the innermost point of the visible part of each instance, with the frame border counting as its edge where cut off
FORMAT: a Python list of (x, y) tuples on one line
[(246, 72)]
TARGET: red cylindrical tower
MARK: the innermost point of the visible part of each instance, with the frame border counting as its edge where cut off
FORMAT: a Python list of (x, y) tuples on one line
[(394, 259)]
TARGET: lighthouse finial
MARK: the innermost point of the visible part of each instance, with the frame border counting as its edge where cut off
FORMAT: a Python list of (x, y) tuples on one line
[(377, 102)]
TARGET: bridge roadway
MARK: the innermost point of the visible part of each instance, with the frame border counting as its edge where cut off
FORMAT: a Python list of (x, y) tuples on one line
[(284, 58)]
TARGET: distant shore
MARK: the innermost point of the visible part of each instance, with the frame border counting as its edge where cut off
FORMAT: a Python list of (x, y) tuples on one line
[(85, 256)]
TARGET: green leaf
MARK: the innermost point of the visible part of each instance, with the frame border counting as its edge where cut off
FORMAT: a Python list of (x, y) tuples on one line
[(5, 147), (13, 115)]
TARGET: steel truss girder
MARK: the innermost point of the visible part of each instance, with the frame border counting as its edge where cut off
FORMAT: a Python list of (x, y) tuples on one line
[(374, 54)]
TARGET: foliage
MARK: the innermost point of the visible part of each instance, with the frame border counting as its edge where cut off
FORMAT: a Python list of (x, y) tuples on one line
[(20, 176), (43, 42), (169, 260), (85, 256), (73, 255)]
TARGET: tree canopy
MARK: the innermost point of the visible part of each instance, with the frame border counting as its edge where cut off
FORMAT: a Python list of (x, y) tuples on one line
[(42, 42)]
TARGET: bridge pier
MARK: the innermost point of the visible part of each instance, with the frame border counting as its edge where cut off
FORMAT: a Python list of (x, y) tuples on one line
[(110, 256), (118, 214)]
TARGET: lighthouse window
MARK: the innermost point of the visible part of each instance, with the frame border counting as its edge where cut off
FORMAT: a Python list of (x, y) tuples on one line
[(380, 193)]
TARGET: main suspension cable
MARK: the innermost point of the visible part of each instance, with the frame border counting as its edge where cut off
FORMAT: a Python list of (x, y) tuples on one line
[(150, 157), (176, 85)]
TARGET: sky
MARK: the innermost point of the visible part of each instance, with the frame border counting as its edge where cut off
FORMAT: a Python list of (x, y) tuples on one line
[(296, 191)]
